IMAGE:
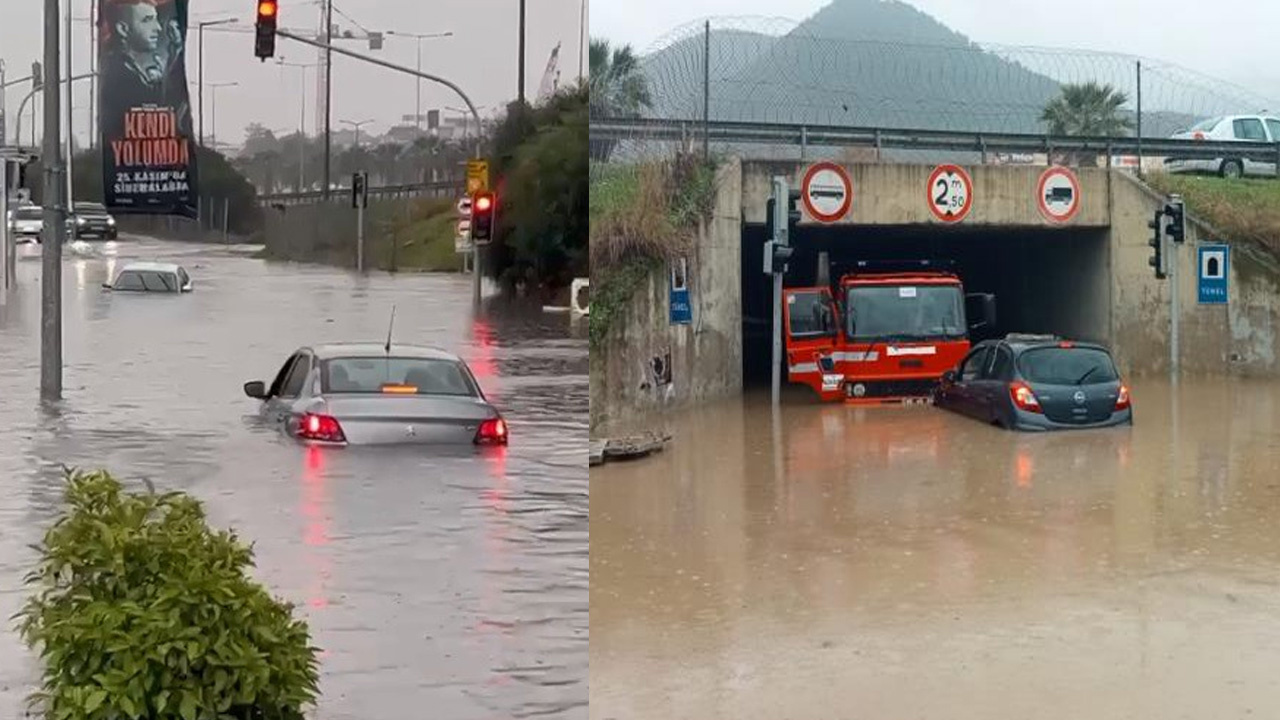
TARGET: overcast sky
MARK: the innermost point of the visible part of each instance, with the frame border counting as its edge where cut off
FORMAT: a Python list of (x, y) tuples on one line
[(480, 57), (1230, 39)]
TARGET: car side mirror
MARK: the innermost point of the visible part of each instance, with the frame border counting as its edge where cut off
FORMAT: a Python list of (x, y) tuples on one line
[(107, 286), (256, 390)]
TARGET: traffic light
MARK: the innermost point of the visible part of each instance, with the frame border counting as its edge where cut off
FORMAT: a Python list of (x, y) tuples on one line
[(37, 76), (1177, 228), (483, 207), (265, 40), (793, 213), (1157, 244), (776, 256)]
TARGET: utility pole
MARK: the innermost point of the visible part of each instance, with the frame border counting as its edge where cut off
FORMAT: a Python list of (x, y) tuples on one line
[(582, 38), (521, 62), (93, 69), (200, 62), (70, 138), (328, 95), (780, 237), (54, 217)]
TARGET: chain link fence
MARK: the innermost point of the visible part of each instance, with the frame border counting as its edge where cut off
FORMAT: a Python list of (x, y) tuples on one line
[(758, 70)]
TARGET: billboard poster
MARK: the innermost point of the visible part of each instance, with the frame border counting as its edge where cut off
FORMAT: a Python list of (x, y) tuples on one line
[(148, 148)]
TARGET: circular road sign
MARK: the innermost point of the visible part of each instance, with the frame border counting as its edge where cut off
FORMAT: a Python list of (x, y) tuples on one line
[(950, 193), (1058, 194), (827, 192)]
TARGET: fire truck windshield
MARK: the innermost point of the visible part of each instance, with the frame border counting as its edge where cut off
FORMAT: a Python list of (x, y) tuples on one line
[(905, 312)]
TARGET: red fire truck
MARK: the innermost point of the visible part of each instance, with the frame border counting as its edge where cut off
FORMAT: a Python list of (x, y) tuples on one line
[(887, 335)]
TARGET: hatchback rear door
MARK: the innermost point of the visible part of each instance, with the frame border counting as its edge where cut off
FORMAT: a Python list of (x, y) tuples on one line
[(1074, 384)]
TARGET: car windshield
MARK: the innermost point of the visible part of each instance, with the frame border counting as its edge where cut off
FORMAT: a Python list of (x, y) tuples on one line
[(905, 311), (90, 209), (28, 213), (1067, 366), (415, 376), (1206, 125)]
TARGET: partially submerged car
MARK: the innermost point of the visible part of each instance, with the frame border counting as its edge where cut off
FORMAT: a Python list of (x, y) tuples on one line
[(26, 223), (1037, 382), (151, 277), (363, 394)]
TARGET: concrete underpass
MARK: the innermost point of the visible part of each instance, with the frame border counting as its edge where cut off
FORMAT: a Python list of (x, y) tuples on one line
[(1045, 280)]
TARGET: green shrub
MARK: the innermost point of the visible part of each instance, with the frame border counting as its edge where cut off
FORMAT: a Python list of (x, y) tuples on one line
[(141, 610)]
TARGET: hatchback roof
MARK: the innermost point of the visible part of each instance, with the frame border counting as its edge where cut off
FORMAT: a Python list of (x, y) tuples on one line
[(1024, 341), (151, 267), (376, 350)]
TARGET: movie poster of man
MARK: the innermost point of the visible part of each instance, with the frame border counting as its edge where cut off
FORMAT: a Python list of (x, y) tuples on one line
[(149, 152)]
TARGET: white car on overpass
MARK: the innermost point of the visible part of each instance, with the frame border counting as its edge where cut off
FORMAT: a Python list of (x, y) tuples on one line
[(1226, 128)]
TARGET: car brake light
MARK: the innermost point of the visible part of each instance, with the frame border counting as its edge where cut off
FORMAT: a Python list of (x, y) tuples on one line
[(399, 389), (320, 427), (1066, 345), (1023, 397), (1198, 136), (1123, 402), (492, 432)]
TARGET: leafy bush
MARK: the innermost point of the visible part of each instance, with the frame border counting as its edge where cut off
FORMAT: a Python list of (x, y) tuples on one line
[(142, 611)]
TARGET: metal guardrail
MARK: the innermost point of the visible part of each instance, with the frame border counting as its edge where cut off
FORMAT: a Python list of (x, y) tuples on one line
[(343, 194), (916, 139)]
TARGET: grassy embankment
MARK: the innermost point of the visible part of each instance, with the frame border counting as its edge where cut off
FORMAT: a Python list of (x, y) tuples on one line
[(641, 216), (1246, 210)]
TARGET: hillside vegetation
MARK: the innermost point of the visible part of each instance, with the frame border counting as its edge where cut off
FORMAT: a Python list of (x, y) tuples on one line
[(1246, 209)]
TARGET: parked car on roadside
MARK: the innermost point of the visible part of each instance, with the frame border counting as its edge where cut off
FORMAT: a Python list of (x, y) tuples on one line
[(26, 223), (1037, 382), (1228, 128), (151, 278)]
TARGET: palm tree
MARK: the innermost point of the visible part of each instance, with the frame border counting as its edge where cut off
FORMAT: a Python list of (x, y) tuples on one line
[(618, 88), (1087, 109)]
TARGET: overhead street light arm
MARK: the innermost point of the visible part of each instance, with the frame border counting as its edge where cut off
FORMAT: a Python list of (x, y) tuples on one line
[(385, 64)]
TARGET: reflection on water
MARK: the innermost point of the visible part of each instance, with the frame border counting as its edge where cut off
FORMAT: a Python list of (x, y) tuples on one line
[(455, 581), (912, 563)]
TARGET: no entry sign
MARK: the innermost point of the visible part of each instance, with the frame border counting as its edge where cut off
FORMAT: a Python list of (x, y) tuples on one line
[(827, 192), (950, 193), (1058, 194)]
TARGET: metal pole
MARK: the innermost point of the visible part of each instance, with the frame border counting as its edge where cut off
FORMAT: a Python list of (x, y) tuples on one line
[(4, 120), (582, 38), (706, 95), (51, 261), (328, 95), (93, 68), (70, 140), (475, 266), (360, 234), (1174, 308), (520, 64), (6, 281), (1139, 124), (302, 134), (226, 220), (200, 82), (417, 114), (780, 196)]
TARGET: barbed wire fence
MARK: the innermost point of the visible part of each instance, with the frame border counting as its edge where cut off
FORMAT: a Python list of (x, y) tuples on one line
[(770, 70)]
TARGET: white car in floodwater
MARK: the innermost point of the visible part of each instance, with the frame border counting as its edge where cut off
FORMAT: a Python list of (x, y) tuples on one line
[(364, 394)]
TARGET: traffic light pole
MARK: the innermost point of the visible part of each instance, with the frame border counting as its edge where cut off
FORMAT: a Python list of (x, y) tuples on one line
[(54, 212), (780, 236)]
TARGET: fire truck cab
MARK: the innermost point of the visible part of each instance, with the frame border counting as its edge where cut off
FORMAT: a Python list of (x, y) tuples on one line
[(883, 336)]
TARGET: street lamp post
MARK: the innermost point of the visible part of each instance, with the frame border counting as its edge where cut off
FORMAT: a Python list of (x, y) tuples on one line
[(200, 72), (357, 126), (213, 88), (302, 121), (417, 116)]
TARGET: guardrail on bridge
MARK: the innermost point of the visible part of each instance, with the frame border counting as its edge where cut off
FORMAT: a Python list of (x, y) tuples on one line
[(685, 131), (343, 194)]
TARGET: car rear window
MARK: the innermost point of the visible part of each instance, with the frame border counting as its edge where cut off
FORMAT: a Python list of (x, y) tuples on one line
[(408, 375), (1067, 366)]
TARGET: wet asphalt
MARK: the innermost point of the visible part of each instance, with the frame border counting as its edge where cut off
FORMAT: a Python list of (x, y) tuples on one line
[(440, 584)]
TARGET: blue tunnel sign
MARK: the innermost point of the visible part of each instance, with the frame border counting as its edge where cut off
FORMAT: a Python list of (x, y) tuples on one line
[(1214, 266)]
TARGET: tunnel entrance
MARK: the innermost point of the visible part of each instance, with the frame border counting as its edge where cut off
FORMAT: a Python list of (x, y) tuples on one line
[(1046, 280)]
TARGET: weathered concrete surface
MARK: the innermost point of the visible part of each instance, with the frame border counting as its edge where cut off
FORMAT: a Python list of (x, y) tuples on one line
[(912, 563), (706, 355), (885, 194)]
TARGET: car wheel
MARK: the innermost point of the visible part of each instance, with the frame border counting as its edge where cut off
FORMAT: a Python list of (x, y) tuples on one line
[(1231, 169)]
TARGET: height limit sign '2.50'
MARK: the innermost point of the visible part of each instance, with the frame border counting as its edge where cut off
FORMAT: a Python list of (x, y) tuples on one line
[(950, 193), (1058, 194), (827, 192)]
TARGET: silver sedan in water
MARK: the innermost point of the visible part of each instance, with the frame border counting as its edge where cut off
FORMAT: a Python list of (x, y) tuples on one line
[(355, 394)]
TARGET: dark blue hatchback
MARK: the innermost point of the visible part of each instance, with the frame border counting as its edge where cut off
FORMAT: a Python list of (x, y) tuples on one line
[(1037, 382)]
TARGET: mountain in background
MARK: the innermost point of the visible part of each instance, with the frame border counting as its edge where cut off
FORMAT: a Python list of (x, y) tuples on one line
[(877, 63)]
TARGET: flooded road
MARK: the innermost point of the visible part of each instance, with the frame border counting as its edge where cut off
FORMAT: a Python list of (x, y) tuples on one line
[(910, 563), (450, 585)]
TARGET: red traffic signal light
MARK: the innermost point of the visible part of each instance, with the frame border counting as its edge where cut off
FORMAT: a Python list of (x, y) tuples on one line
[(265, 41), (482, 209), (483, 202)]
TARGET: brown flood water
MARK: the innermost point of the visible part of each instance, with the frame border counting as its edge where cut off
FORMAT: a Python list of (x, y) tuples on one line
[(910, 563)]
